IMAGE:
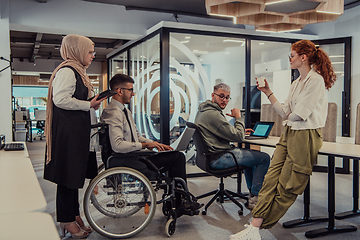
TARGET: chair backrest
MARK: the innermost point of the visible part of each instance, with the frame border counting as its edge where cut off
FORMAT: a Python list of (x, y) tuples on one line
[(40, 124), (269, 114), (201, 148), (40, 114), (357, 127), (329, 131)]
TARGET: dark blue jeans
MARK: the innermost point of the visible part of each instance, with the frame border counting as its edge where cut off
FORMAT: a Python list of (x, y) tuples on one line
[(257, 164)]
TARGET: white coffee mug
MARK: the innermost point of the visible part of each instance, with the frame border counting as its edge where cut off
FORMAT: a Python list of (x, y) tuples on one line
[(261, 81)]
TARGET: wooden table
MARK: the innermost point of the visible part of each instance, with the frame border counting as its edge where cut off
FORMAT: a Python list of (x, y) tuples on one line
[(331, 150)]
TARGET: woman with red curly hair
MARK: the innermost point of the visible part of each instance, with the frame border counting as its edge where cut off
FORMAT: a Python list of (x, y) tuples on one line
[(305, 112)]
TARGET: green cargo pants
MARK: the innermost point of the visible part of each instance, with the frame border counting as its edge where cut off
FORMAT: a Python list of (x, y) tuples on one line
[(288, 174)]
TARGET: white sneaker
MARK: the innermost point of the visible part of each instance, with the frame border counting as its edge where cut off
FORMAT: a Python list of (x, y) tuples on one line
[(250, 233)]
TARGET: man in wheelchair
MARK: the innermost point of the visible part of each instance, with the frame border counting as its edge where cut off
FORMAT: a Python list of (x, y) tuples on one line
[(125, 139)]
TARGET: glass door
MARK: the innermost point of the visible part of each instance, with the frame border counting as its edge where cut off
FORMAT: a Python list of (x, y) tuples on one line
[(339, 52)]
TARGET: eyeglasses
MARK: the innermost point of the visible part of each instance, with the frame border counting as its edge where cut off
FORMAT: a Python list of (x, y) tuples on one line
[(291, 56), (92, 53), (129, 89), (223, 97)]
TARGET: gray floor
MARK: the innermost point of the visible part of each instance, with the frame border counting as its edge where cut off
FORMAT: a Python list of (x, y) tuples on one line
[(222, 220)]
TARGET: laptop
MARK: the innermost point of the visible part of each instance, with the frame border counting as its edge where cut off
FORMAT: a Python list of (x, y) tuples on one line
[(261, 130), (184, 140)]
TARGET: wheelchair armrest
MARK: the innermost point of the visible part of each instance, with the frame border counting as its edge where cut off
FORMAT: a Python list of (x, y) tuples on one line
[(141, 155), (135, 154)]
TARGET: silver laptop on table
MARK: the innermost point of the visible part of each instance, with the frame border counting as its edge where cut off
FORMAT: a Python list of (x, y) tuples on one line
[(183, 142), (261, 130)]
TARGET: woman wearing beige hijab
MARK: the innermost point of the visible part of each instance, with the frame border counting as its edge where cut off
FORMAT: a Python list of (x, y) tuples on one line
[(67, 131)]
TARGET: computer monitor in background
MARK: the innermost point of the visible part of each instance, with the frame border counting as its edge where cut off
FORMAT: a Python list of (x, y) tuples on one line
[(255, 98)]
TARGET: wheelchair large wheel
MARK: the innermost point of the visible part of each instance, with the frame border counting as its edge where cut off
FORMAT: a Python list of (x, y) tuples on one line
[(119, 203)]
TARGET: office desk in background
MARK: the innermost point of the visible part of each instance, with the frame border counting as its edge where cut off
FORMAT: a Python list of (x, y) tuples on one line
[(14, 154), (21, 189), (331, 150), (29, 225)]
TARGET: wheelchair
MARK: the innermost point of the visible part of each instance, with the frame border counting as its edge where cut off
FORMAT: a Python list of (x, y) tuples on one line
[(121, 201)]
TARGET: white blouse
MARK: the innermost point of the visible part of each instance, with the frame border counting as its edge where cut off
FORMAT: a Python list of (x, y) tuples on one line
[(308, 100)]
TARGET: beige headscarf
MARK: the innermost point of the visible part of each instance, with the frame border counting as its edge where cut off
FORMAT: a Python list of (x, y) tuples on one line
[(74, 49)]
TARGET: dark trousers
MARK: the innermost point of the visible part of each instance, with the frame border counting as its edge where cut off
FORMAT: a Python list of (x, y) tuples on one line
[(173, 162), (67, 204)]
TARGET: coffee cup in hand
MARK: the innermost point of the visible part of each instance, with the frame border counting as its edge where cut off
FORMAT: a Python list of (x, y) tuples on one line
[(261, 81)]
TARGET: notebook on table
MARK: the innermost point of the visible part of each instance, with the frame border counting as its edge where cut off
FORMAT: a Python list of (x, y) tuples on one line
[(261, 130)]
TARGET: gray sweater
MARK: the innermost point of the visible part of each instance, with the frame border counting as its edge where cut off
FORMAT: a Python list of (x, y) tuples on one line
[(215, 128)]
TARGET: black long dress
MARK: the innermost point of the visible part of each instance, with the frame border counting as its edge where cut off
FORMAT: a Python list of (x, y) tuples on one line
[(70, 143)]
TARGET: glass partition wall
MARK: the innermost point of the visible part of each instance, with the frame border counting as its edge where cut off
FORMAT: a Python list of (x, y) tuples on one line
[(197, 63), (175, 71), (269, 60), (145, 70)]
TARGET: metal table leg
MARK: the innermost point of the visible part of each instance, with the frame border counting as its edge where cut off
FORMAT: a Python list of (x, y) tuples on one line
[(330, 229)]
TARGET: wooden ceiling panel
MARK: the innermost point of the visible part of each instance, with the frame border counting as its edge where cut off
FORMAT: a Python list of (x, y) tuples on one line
[(277, 15)]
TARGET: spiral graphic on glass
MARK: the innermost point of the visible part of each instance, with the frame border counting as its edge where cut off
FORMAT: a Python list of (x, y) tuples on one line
[(147, 86)]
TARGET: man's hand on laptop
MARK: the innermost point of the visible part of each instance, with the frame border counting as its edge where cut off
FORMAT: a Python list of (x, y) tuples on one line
[(235, 113), (159, 146), (248, 131)]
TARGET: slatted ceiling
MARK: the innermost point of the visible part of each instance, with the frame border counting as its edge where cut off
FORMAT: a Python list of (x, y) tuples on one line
[(280, 16)]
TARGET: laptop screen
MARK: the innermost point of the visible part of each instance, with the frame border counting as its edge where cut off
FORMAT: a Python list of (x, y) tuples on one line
[(262, 129)]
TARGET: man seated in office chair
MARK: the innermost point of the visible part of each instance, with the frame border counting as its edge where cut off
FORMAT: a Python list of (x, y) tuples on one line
[(218, 133), (125, 138)]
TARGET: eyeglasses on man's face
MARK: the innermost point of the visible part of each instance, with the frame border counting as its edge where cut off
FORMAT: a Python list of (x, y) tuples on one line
[(92, 53), (223, 97), (129, 89)]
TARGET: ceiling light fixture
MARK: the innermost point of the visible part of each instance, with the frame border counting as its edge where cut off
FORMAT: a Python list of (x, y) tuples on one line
[(292, 30), (280, 1), (233, 40), (336, 56), (327, 12), (268, 31), (186, 41), (200, 52), (221, 15)]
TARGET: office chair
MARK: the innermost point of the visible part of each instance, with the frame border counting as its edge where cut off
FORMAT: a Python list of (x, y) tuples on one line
[(40, 125), (203, 159), (40, 116)]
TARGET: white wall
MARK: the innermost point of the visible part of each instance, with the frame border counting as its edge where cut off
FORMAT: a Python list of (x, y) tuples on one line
[(229, 66), (5, 76)]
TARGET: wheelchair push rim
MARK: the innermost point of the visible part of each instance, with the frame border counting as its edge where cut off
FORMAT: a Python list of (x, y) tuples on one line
[(119, 203)]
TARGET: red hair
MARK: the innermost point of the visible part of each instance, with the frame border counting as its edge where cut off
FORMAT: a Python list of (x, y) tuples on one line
[(318, 58)]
